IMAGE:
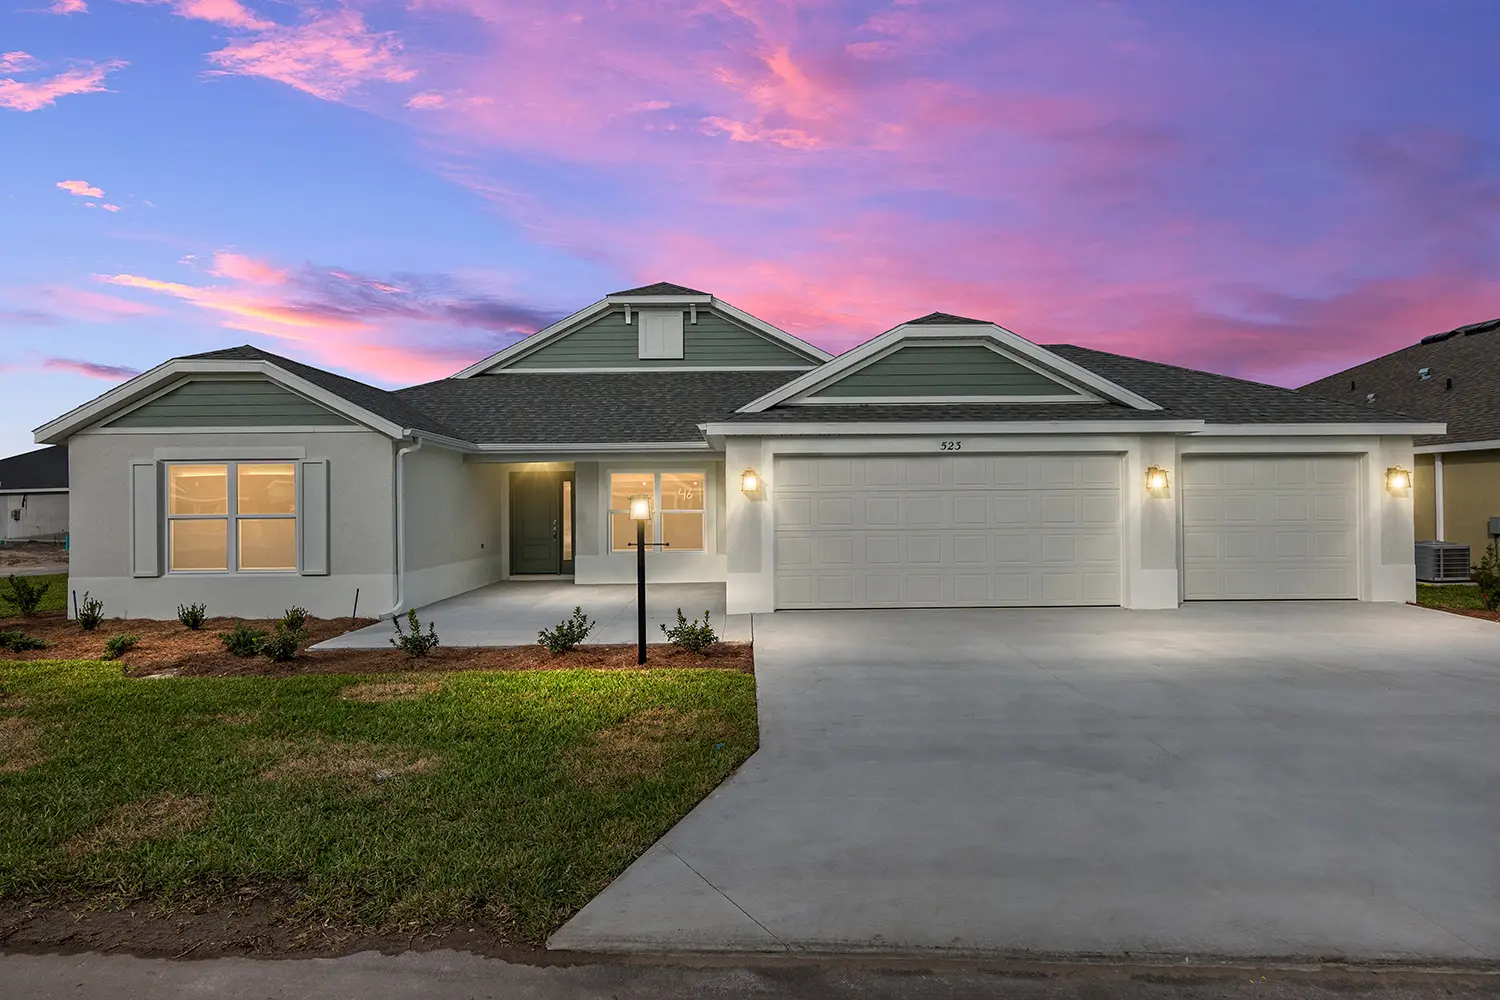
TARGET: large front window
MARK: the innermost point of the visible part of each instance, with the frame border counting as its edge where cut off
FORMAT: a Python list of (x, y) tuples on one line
[(232, 515), (680, 511)]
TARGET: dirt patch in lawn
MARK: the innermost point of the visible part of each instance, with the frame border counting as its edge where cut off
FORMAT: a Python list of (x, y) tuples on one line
[(353, 763), (385, 692), (633, 748), (133, 822), (163, 644), (18, 745), (23, 555)]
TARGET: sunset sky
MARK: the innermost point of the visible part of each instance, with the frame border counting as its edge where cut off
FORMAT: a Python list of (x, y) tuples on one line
[(393, 190)]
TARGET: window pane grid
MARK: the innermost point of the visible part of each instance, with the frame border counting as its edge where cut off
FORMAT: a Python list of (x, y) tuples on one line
[(259, 498), (680, 510)]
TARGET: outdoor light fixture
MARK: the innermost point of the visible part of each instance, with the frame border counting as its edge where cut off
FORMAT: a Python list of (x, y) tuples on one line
[(1157, 481), (1397, 480), (640, 513), (749, 481)]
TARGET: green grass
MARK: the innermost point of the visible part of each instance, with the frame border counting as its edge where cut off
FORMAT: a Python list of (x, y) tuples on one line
[(515, 815), (1448, 595), (56, 598)]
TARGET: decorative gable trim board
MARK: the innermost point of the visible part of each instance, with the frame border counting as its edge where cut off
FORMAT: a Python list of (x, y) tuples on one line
[(946, 366), (1014, 345), (939, 428), (662, 300)]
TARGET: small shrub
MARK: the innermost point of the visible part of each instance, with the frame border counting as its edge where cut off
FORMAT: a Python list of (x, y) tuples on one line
[(293, 618), (191, 615), (693, 636), (118, 645), (283, 644), (15, 639), (1487, 576), (567, 634), (26, 593), (413, 643), (90, 612), (243, 640)]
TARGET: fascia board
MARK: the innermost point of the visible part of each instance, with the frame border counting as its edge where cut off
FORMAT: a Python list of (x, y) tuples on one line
[(1313, 429), (1442, 449), (906, 428)]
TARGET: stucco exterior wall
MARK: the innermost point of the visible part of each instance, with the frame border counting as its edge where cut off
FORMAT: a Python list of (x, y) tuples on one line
[(1424, 507), (455, 525), (1471, 496), (361, 528), (34, 515)]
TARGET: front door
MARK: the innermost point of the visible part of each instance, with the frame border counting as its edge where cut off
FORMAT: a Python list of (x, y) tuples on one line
[(541, 522)]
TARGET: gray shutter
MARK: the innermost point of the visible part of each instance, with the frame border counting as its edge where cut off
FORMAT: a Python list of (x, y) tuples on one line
[(312, 515), (145, 520)]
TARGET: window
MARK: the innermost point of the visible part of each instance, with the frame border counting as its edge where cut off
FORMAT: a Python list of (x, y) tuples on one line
[(678, 501), (234, 514)]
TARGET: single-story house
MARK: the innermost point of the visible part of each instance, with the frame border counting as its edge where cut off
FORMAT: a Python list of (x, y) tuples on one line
[(1452, 377), (34, 488), (946, 462)]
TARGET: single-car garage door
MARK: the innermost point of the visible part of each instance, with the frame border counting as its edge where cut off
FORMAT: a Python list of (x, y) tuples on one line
[(1270, 528), (914, 531)]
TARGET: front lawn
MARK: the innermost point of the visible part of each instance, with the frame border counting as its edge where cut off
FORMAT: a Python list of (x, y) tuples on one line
[(412, 802), (1448, 595), (55, 599)]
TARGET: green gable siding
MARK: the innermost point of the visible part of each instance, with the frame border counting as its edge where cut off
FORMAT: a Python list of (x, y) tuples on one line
[(230, 403), (715, 341), (943, 370)]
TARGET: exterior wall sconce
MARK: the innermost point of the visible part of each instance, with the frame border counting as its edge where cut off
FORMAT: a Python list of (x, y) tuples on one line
[(1158, 482), (749, 481), (1397, 481)]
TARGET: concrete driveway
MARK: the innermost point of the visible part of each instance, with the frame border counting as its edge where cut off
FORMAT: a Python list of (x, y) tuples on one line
[(1247, 780)]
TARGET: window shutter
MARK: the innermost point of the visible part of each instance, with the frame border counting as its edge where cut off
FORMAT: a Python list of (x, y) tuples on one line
[(312, 517), (145, 520)]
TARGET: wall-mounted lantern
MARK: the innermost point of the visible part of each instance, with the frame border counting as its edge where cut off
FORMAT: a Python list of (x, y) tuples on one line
[(749, 481), (1158, 483), (1397, 480)]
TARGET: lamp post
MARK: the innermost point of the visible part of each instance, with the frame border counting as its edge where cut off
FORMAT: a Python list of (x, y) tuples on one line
[(640, 513)]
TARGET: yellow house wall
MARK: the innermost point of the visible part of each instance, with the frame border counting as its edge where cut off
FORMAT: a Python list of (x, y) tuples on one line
[(1471, 496)]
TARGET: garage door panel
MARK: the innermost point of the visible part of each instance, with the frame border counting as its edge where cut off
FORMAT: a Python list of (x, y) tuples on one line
[(937, 531), (1270, 528)]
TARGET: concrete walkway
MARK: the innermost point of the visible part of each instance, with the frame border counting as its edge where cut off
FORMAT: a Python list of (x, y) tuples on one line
[(511, 614), (1237, 779)]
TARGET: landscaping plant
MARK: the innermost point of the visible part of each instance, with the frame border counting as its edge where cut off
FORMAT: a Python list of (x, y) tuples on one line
[(282, 645), (293, 618), (693, 636), (1487, 576), (243, 640), (191, 615), (18, 641), (90, 612), (26, 593), (413, 643), (567, 634), (119, 645)]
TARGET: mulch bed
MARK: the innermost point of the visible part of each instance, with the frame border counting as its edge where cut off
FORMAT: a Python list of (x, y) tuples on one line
[(167, 647), (1489, 616)]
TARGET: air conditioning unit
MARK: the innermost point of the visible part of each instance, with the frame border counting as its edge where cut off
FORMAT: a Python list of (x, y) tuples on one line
[(1442, 562)]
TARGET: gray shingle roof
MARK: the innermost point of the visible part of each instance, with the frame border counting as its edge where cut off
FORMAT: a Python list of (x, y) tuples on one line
[(589, 407), (660, 288), (1468, 356), (944, 319), (42, 469), (381, 402)]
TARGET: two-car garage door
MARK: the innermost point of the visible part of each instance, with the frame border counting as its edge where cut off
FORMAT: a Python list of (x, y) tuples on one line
[(912, 531)]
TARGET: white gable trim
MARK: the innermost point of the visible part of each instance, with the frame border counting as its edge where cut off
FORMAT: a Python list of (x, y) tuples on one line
[(568, 324), (150, 383), (1018, 347)]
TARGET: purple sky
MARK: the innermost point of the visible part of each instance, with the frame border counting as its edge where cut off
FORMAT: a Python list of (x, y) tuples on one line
[(1273, 190)]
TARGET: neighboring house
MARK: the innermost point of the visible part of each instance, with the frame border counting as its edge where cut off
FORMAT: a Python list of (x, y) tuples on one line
[(1452, 377), (947, 462), (34, 487)]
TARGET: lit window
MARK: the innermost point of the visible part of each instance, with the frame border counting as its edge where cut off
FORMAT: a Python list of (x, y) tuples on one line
[(680, 517), (237, 514)]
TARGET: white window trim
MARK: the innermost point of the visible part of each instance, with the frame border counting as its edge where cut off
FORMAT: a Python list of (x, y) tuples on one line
[(706, 510), (233, 517)]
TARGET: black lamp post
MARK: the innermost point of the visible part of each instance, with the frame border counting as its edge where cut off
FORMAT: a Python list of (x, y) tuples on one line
[(640, 513)]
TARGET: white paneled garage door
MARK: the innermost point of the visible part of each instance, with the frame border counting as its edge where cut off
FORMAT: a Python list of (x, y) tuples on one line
[(1270, 528), (914, 531)]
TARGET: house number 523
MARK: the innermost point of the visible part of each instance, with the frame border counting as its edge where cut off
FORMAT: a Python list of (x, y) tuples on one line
[(950, 446)]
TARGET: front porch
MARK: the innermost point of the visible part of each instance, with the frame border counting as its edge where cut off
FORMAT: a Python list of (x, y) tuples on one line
[(510, 613)]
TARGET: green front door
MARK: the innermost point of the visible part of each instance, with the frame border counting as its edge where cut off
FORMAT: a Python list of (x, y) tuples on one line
[(541, 522)]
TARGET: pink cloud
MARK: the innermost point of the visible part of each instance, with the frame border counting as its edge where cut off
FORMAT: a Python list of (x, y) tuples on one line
[(37, 94), (241, 268), (18, 62), (328, 55), (227, 12), (83, 189), (79, 303), (108, 207), (68, 7), (428, 100), (93, 369)]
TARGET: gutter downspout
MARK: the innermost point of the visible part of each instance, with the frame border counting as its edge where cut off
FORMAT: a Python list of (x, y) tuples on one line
[(400, 560), (1437, 494)]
